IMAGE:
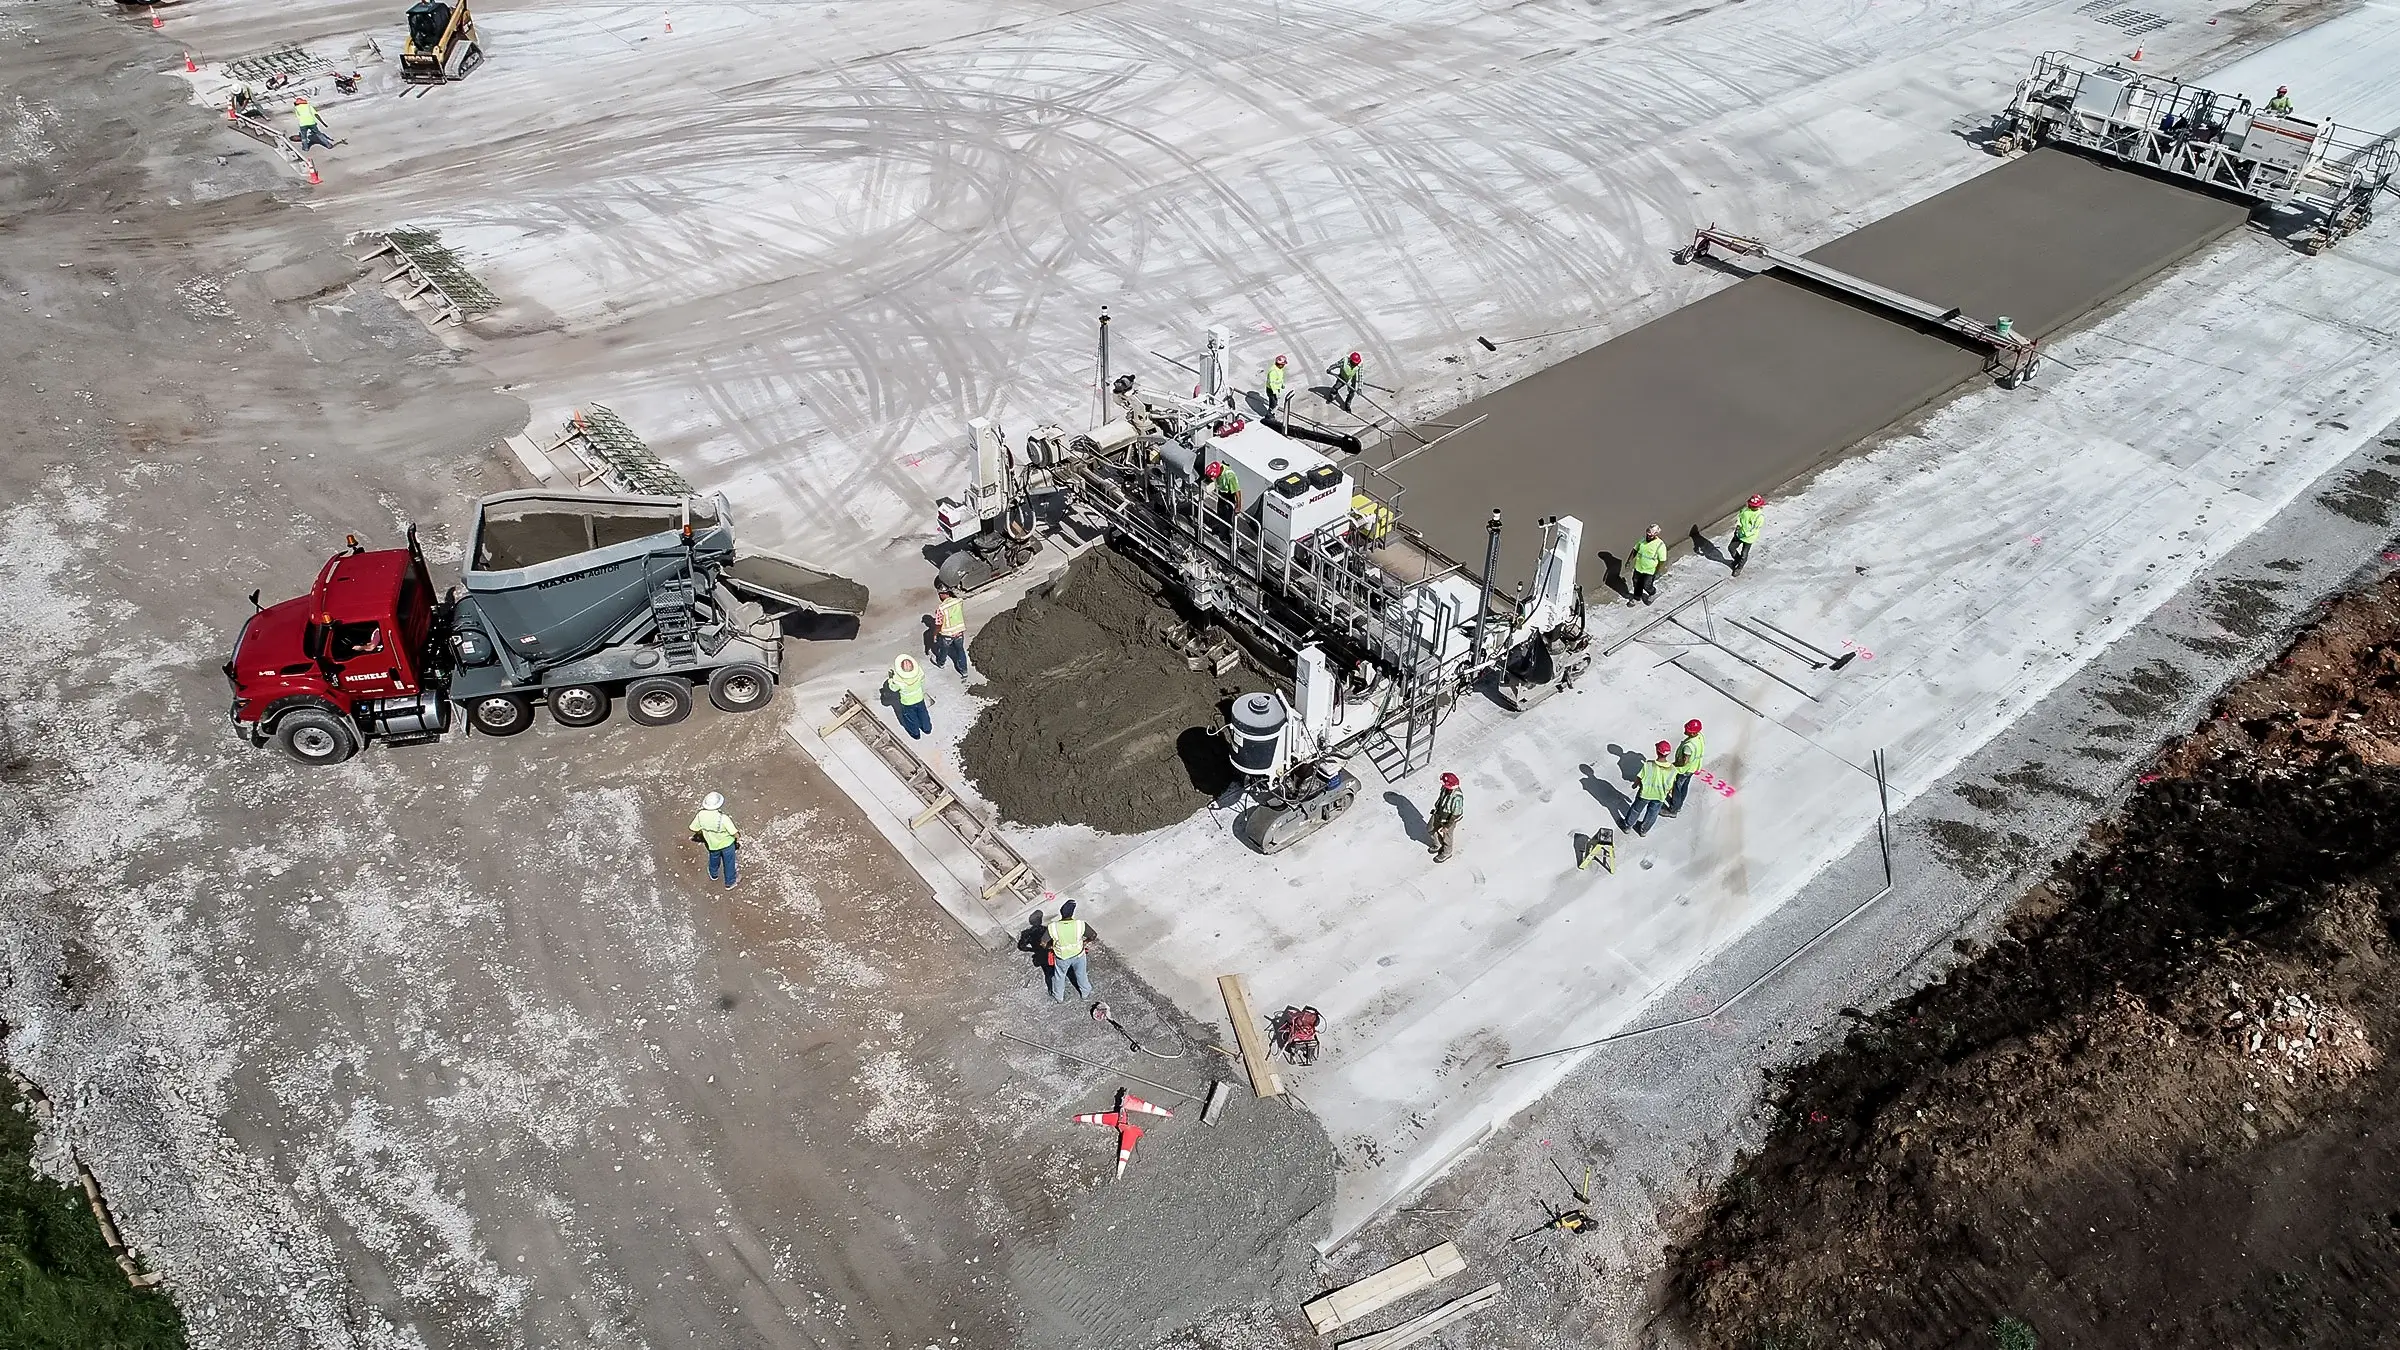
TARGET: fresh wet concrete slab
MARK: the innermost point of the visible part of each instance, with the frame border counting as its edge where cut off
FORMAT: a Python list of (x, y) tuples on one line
[(1675, 422)]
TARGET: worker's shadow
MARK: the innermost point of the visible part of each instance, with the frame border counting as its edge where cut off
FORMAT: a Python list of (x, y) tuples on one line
[(932, 635), (1035, 942), (1411, 819), (1705, 547), (1608, 794), (1612, 573)]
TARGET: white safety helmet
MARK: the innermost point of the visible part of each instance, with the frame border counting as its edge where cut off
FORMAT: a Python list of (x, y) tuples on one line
[(714, 801)]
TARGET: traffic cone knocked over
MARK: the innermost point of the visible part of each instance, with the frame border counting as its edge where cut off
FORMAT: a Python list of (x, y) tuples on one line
[(1126, 1101), (1109, 1118), (1127, 1137)]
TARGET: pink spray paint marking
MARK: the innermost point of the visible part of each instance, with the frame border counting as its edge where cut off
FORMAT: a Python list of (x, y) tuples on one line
[(1863, 653), (1710, 780)]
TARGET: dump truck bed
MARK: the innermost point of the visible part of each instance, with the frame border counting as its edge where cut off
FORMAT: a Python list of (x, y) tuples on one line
[(779, 580)]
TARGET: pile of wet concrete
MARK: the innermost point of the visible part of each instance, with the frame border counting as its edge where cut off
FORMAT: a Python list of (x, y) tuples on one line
[(1095, 720)]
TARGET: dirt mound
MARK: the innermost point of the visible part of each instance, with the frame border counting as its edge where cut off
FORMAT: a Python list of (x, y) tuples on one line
[(1094, 721), (2161, 1111)]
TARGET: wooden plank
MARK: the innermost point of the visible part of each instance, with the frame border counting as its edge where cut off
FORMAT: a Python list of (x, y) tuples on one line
[(1418, 1329), (1005, 882), (1383, 1288), (851, 707), (1245, 1034), (932, 809)]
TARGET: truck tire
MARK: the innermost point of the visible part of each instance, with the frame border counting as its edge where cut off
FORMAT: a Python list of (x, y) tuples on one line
[(579, 705), (316, 736), (501, 714), (658, 701), (744, 686)]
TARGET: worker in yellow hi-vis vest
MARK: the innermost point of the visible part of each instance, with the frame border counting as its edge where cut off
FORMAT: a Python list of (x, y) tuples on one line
[(1067, 939), (950, 629), (1642, 571), (713, 828), (1651, 789)]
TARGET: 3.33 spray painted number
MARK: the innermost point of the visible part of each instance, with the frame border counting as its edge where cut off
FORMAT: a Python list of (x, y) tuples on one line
[(1710, 780)]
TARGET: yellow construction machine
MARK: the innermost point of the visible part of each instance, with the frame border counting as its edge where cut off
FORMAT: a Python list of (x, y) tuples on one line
[(441, 42)]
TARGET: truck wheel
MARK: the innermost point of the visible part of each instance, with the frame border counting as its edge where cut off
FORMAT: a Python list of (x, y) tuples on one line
[(743, 686), (316, 736), (501, 714), (659, 701), (579, 705)]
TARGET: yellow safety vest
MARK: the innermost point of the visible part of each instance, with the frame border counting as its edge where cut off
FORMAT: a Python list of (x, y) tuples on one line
[(307, 113), (954, 617), (1274, 382), (1745, 525), (715, 829), (1648, 554), (1658, 777), (1688, 755), (909, 686), (1066, 939)]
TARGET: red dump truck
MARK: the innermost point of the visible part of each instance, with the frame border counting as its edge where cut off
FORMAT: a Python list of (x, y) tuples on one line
[(572, 602)]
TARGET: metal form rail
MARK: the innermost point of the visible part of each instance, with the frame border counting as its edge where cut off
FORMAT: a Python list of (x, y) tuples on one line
[(2011, 357), (595, 449), (2278, 160), (428, 265), (1005, 871), (260, 130)]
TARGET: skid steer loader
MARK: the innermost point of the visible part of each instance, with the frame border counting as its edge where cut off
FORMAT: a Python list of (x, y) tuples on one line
[(441, 43)]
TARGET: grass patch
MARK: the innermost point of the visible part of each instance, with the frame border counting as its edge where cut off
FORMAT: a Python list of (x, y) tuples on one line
[(60, 1289)]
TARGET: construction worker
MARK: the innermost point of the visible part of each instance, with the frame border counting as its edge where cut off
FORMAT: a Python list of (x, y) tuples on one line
[(950, 629), (1229, 483), (1441, 827), (1648, 556), (1745, 531), (1068, 937), (312, 127), (907, 683), (714, 828), (1275, 376), (2281, 104), (1650, 791), (1345, 379), (1689, 755)]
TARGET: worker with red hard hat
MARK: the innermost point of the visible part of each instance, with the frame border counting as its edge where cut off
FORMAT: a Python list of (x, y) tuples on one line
[(1745, 532), (2281, 104), (1275, 378), (1650, 791), (1345, 379), (1688, 757), (1441, 827)]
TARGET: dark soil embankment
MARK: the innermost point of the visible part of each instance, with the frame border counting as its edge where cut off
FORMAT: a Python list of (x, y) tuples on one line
[(1094, 721), (2162, 1111)]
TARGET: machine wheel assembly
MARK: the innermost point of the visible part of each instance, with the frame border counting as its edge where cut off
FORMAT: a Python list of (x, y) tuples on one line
[(741, 687), (501, 714), (658, 701), (579, 705), (316, 736)]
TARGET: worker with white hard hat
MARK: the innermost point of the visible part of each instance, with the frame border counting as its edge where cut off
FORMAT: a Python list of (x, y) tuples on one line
[(1642, 579), (907, 683), (713, 828)]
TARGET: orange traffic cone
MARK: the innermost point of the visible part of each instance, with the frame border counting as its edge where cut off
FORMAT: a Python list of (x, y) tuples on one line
[(155, 21), (2137, 53), (312, 171), (1126, 1101), (1127, 1137), (1108, 1118), (190, 67), (229, 112), (670, 25)]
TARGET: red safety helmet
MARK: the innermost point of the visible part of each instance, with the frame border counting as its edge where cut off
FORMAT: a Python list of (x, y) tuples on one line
[(1692, 728), (1449, 780), (1665, 749), (2283, 89), (1280, 360), (1355, 358), (1213, 470), (1756, 501)]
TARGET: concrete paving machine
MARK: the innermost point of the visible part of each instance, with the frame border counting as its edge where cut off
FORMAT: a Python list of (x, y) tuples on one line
[(441, 43), (569, 600), (994, 526), (2327, 176)]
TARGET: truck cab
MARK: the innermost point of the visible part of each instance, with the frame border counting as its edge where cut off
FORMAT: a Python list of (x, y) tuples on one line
[(353, 659)]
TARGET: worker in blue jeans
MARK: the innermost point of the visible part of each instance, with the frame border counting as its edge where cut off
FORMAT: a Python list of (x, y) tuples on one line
[(1069, 936), (715, 829), (1650, 792), (907, 683)]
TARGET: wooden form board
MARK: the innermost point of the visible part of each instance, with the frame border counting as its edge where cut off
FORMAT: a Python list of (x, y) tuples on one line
[(1383, 1288), (1245, 1034), (1417, 1329)]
